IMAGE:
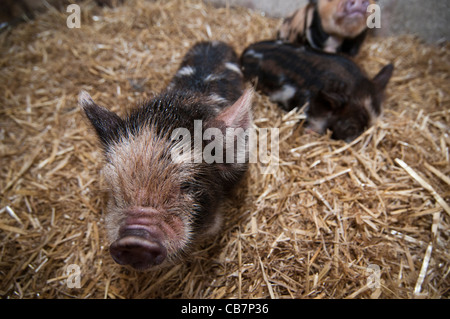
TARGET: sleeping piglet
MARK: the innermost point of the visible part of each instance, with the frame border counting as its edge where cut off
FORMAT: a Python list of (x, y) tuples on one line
[(328, 25), (161, 200), (341, 97)]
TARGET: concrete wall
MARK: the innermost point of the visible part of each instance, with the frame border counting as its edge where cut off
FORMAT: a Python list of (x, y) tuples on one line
[(272, 8), (428, 19)]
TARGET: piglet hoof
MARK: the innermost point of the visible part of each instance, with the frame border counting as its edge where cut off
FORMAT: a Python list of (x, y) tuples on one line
[(140, 251)]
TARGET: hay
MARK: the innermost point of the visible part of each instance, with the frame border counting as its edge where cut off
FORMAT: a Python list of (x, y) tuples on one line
[(330, 221)]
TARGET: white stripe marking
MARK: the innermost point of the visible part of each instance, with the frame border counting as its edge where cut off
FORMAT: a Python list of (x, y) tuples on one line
[(187, 70), (254, 54), (217, 98), (233, 67), (284, 94)]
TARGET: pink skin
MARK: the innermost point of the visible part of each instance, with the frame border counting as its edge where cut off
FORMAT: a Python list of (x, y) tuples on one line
[(144, 237), (353, 9)]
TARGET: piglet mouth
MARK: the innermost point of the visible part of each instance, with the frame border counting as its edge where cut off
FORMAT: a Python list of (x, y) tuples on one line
[(356, 14), (353, 14)]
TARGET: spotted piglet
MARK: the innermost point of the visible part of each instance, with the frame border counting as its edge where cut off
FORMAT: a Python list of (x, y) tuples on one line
[(162, 198), (328, 25), (341, 97)]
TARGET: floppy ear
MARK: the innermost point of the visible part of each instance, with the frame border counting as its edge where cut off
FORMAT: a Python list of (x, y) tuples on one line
[(239, 114), (105, 122), (382, 78), (233, 123)]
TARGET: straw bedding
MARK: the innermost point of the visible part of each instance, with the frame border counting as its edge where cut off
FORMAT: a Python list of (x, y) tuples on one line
[(331, 220)]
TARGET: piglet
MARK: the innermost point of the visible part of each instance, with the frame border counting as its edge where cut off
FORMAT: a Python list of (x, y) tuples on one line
[(341, 97), (162, 201), (328, 25)]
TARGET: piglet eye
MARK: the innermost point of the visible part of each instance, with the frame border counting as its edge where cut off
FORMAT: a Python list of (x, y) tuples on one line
[(186, 187)]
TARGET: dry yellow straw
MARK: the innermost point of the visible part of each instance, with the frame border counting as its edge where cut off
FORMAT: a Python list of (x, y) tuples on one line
[(424, 184)]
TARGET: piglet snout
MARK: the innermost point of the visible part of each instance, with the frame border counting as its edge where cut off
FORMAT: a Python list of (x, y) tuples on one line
[(357, 5), (138, 248)]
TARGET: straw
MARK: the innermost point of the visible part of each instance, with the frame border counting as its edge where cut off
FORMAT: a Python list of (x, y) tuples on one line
[(312, 229)]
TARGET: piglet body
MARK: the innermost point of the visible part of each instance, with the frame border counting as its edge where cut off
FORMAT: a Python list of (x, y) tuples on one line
[(160, 206), (341, 97)]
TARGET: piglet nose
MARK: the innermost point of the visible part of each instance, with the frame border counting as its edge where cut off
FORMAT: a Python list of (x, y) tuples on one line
[(137, 248), (357, 5)]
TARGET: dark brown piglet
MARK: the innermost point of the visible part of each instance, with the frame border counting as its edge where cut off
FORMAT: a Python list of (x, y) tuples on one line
[(161, 201), (341, 97), (328, 25)]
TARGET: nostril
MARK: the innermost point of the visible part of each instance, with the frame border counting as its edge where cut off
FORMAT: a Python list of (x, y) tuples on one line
[(138, 252), (357, 5)]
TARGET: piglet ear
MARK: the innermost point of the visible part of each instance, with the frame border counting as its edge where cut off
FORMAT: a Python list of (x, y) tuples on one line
[(239, 114), (105, 122), (382, 78)]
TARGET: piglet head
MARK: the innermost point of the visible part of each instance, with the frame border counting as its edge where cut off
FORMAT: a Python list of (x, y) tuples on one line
[(348, 110), (345, 18), (158, 206)]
